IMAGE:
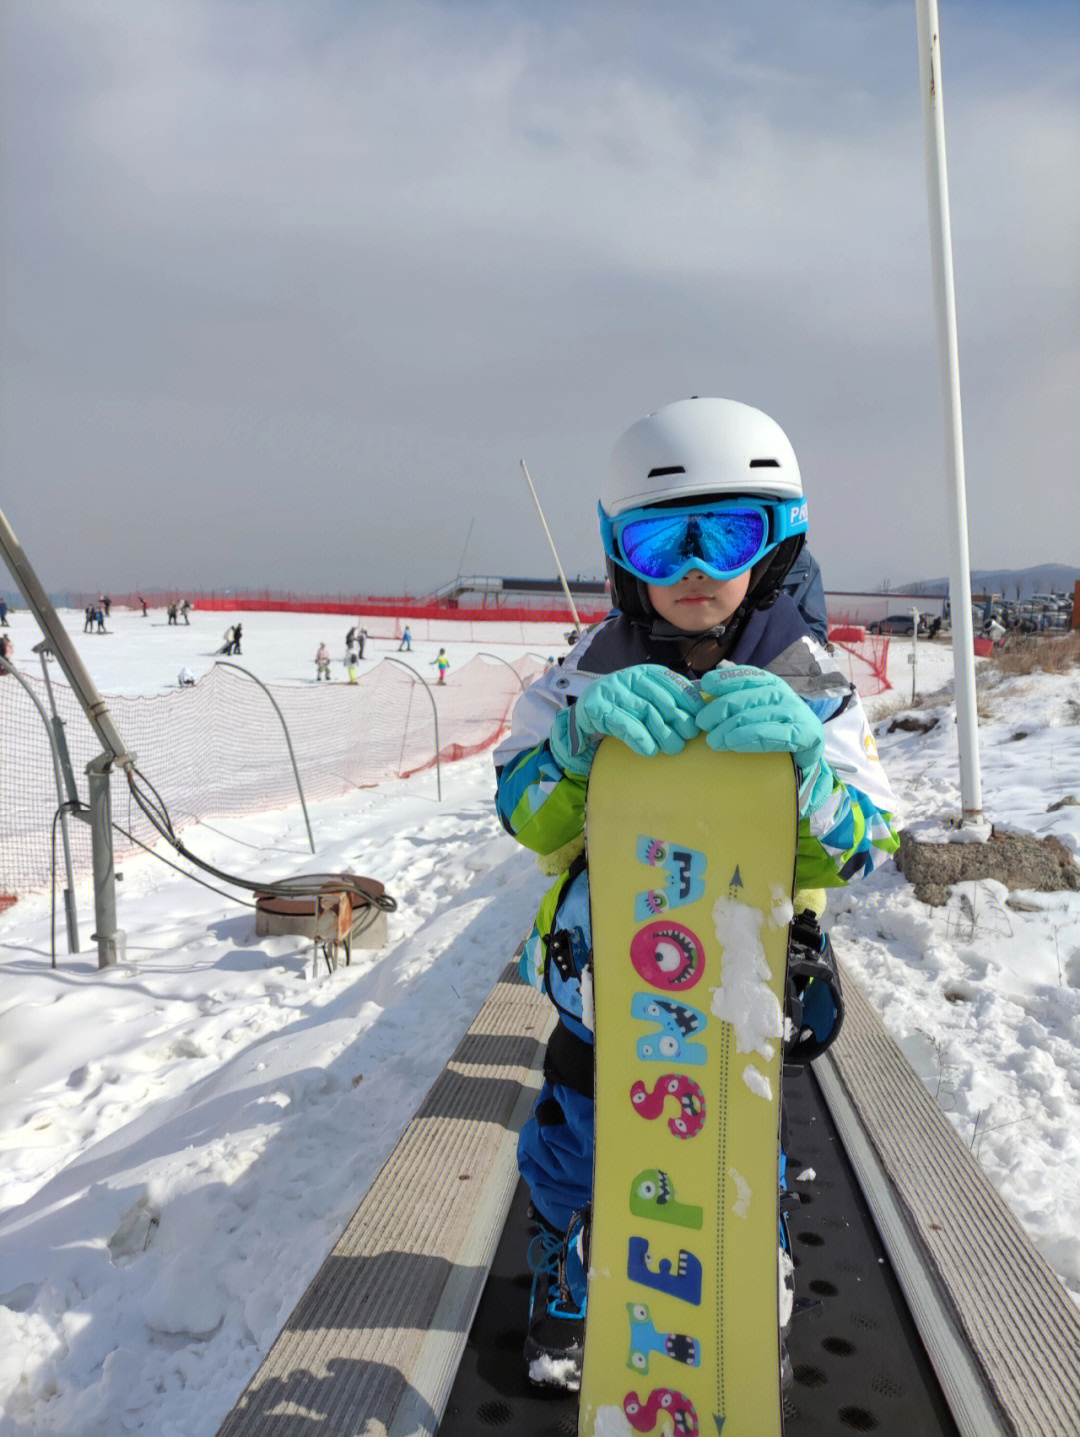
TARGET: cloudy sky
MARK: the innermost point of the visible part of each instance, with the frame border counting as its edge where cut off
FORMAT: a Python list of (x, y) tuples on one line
[(290, 287)]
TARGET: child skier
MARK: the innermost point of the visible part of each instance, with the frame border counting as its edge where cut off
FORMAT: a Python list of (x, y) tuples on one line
[(322, 663), (702, 515), (442, 663)]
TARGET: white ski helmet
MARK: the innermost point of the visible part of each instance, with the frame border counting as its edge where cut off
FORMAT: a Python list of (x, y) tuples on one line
[(696, 447), (699, 448)]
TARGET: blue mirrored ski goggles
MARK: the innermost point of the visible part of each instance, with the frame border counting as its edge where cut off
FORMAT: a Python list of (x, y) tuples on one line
[(722, 539)]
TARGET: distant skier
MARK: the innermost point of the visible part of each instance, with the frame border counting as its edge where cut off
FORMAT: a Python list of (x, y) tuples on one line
[(442, 663), (350, 665), (322, 663), (406, 640), (99, 619), (172, 613), (88, 619), (145, 610), (7, 650), (227, 648), (361, 640), (105, 603), (237, 631), (185, 609), (4, 613)]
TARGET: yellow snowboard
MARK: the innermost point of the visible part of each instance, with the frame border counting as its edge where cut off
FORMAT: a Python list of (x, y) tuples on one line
[(692, 865)]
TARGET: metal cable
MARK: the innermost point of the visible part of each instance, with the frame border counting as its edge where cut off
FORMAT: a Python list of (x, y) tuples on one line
[(304, 885)]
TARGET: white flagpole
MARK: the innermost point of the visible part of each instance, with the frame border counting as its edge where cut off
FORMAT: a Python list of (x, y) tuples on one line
[(945, 305), (551, 541)]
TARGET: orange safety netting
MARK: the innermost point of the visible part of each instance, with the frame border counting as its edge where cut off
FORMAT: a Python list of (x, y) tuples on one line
[(863, 657), (218, 748)]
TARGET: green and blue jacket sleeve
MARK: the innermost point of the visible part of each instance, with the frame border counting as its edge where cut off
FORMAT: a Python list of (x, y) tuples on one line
[(851, 833), (538, 804)]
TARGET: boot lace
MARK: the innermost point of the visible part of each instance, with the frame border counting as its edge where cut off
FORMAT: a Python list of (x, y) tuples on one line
[(548, 1254)]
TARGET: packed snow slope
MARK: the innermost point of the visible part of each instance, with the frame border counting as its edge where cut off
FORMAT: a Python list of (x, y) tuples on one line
[(185, 1135)]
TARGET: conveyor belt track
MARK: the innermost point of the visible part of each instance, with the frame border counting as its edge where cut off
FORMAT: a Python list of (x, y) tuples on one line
[(859, 1365)]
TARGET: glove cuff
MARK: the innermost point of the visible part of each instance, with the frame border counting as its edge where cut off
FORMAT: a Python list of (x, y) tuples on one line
[(815, 790), (570, 748)]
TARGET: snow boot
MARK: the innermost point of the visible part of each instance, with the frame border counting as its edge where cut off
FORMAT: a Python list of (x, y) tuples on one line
[(556, 1333)]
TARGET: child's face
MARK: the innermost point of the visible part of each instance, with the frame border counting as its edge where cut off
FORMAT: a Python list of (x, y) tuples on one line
[(696, 602)]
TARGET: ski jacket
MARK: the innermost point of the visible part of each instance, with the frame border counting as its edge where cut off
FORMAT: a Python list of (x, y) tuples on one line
[(850, 835)]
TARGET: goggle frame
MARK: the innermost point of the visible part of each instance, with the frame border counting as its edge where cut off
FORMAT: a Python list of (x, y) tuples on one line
[(782, 519)]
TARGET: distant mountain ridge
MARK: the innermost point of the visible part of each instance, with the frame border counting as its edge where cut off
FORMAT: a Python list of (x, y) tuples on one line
[(1009, 583)]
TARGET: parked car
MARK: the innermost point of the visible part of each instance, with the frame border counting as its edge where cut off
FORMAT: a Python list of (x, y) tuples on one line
[(897, 624)]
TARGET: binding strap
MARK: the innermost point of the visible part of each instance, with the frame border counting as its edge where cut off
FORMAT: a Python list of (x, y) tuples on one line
[(815, 1001)]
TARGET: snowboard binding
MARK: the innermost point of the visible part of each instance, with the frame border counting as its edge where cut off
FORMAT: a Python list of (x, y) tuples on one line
[(815, 1002)]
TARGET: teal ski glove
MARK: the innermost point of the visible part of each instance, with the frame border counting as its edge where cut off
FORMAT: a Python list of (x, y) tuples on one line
[(753, 711), (647, 707)]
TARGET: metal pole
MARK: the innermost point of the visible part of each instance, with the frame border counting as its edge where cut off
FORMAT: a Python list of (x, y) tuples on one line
[(58, 724), (111, 941), (224, 664), (69, 891), (945, 304), (461, 561), (435, 709), (498, 659), (914, 652), (60, 644), (551, 541), (72, 791)]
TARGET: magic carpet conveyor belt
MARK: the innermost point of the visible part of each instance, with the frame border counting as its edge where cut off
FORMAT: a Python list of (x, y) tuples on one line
[(936, 1314), (859, 1365)]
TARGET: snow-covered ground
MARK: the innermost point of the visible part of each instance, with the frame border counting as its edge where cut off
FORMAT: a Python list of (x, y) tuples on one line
[(145, 656), (184, 1135)]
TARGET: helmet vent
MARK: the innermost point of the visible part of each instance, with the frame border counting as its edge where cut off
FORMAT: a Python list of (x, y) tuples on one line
[(764, 464), (660, 473)]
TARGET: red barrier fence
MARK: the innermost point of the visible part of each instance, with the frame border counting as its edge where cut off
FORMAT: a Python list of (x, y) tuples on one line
[(402, 610)]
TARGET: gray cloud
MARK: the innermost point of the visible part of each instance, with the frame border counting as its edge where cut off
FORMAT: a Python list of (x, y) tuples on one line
[(290, 289)]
